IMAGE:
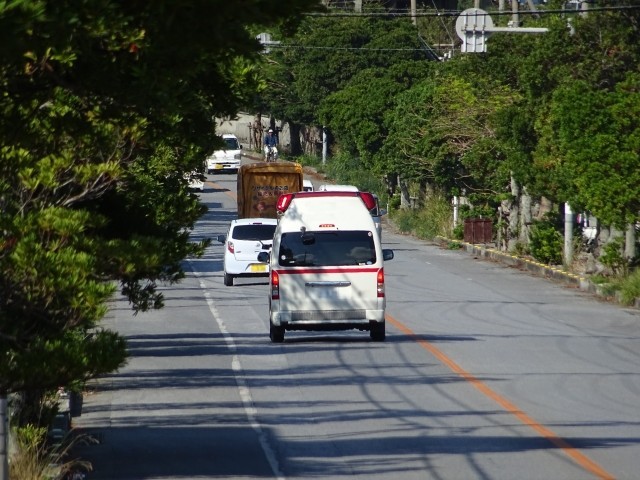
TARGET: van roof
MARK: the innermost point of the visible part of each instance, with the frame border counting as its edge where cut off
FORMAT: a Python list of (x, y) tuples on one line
[(329, 210)]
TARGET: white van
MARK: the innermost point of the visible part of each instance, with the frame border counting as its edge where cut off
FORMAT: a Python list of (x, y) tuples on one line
[(326, 265)]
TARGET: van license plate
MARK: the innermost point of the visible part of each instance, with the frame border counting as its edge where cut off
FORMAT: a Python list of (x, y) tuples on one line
[(257, 268)]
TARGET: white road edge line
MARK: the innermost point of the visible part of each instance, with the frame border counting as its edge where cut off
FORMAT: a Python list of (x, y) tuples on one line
[(243, 390)]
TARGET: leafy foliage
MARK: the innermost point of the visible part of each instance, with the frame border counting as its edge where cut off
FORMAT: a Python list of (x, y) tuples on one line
[(105, 107), (432, 220), (591, 142), (546, 242)]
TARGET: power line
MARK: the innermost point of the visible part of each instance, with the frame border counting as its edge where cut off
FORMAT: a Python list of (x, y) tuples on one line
[(367, 49), (455, 13)]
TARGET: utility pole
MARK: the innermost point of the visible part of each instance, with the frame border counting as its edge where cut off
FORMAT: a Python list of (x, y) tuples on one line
[(358, 6), (515, 16), (325, 142), (568, 235), (584, 6), (414, 9)]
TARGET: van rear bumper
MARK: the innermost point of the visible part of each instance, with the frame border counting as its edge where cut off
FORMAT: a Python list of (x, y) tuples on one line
[(327, 319)]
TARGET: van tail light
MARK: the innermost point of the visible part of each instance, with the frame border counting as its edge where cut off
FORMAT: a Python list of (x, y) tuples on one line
[(275, 285), (284, 201), (230, 247), (381, 283), (368, 199)]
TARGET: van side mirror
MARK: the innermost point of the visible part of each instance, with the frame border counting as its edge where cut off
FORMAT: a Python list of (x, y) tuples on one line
[(263, 257), (221, 238), (383, 211), (387, 254)]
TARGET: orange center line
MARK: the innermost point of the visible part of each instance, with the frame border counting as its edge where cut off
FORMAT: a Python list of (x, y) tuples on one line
[(577, 456)]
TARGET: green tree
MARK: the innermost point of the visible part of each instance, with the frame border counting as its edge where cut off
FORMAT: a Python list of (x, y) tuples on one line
[(324, 55), (106, 105), (441, 133), (356, 113), (591, 144)]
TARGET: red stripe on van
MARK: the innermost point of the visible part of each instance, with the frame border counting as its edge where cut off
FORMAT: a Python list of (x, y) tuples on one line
[(300, 271)]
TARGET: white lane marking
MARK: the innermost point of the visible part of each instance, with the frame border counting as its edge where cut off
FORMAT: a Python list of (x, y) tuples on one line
[(243, 389)]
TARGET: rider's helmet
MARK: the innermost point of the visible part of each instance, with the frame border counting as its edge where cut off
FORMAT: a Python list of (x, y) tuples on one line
[(271, 130)]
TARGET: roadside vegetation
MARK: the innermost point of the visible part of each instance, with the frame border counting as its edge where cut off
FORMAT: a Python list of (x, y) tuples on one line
[(106, 107), (537, 122)]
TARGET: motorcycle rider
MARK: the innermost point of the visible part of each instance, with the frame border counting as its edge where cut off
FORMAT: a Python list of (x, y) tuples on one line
[(270, 142)]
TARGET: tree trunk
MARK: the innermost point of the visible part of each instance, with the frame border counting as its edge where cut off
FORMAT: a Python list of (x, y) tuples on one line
[(294, 132), (405, 201), (514, 214), (256, 131), (525, 217), (630, 242), (545, 207)]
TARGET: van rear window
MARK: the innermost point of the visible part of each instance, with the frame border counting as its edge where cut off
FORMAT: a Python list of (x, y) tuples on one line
[(323, 249)]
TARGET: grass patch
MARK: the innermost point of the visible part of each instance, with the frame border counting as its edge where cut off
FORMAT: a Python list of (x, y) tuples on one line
[(433, 220), (630, 288), (35, 458)]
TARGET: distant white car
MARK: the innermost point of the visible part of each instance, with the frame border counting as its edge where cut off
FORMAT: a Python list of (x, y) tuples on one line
[(329, 187), (245, 239), (228, 158), (307, 186), (376, 214)]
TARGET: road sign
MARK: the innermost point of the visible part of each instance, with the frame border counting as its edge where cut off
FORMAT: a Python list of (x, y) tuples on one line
[(474, 27), (471, 27)]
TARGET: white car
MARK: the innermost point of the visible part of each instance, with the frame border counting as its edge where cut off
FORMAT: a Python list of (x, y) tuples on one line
[(329, 187), (307, 186), (245, 239), (226, 159)]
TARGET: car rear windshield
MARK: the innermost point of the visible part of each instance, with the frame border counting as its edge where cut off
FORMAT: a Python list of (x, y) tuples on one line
[(335, 248), (253, 232)]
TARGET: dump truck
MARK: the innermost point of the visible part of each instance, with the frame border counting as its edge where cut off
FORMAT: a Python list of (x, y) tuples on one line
[(260, 184)]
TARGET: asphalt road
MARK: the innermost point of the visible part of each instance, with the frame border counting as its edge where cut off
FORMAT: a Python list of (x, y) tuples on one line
[(487, 373)]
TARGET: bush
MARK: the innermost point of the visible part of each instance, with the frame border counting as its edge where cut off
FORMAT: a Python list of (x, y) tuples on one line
[(630, 288), (458, 232), (428, 222), (546, 243), (404, 220), (394, 202), (612, 257), (35, 459)]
